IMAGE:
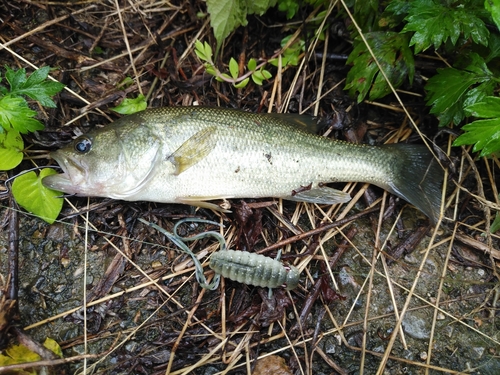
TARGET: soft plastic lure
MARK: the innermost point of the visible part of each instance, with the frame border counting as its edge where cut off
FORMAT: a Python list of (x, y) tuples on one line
[(241, 266)]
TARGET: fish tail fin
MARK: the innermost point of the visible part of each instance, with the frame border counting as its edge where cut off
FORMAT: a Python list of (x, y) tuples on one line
[(418, 178)]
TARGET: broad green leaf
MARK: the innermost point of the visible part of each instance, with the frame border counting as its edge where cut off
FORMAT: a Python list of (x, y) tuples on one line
[(489, 107), (15, 113), (483, 134), (11, 149), (226, 16), (129, 106), (393, 54), (233, 68), (493, 6), (35, 197)]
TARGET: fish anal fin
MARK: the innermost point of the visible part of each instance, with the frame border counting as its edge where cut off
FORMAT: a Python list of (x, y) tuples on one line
[(321, 195), (194, 149)]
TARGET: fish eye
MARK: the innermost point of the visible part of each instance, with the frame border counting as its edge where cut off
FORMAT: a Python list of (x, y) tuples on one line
[(83, 144)]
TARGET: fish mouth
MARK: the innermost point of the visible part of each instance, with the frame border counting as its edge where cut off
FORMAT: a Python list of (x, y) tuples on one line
[(70, 181)]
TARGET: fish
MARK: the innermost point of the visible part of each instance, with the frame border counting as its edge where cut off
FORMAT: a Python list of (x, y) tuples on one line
[(194, 155)]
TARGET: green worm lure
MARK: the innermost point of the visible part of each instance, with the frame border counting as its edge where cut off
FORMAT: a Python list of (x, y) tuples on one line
[(241, 266)]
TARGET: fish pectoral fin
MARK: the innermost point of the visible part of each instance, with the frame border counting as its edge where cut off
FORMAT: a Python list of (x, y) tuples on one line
[(321, 195), (194, 149), (202, 202)]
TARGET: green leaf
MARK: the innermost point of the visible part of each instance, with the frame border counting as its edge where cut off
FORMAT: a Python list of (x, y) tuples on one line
[(434, 22), (242, 84), (37, 87), (11, 149), (15, 114), (36, 198), (291, 7), (393, 54), (257, 79), (450, 88), (226, 16), (493, 6), (484, 134), (233, 68), (495, 226), (252, 64), (490, 107), (15, 77), (129, 106)]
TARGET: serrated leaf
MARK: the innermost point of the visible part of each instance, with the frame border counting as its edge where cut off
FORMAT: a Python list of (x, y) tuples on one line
[(15, 114), (15, 77), (489, 107), (53, 346), (35, 197), (11, 149), (129, 106), (225, 16), (242, 84), (393, 54), (233, 68), (434, 22), (38, 88), (483, 134)]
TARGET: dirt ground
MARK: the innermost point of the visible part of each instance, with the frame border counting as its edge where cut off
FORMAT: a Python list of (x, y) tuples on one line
[(381, 291)]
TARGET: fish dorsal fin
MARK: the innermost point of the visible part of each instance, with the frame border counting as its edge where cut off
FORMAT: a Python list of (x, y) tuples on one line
[(321, 195), (197, 147), (302, 122)]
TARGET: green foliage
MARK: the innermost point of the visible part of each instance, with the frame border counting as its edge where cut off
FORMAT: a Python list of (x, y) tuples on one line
[(291, 54), (255, 71), (493, 7), (434, 22), (11, 150), (451, 89), (16, 118), (129, 106), (393, 54), (483, 134), (227, 15), (36, 198)]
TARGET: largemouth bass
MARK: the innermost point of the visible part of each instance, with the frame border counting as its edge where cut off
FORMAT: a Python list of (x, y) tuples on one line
[(192, 155)]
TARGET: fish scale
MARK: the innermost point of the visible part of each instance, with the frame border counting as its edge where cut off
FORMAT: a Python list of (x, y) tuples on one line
[(193, 155)]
